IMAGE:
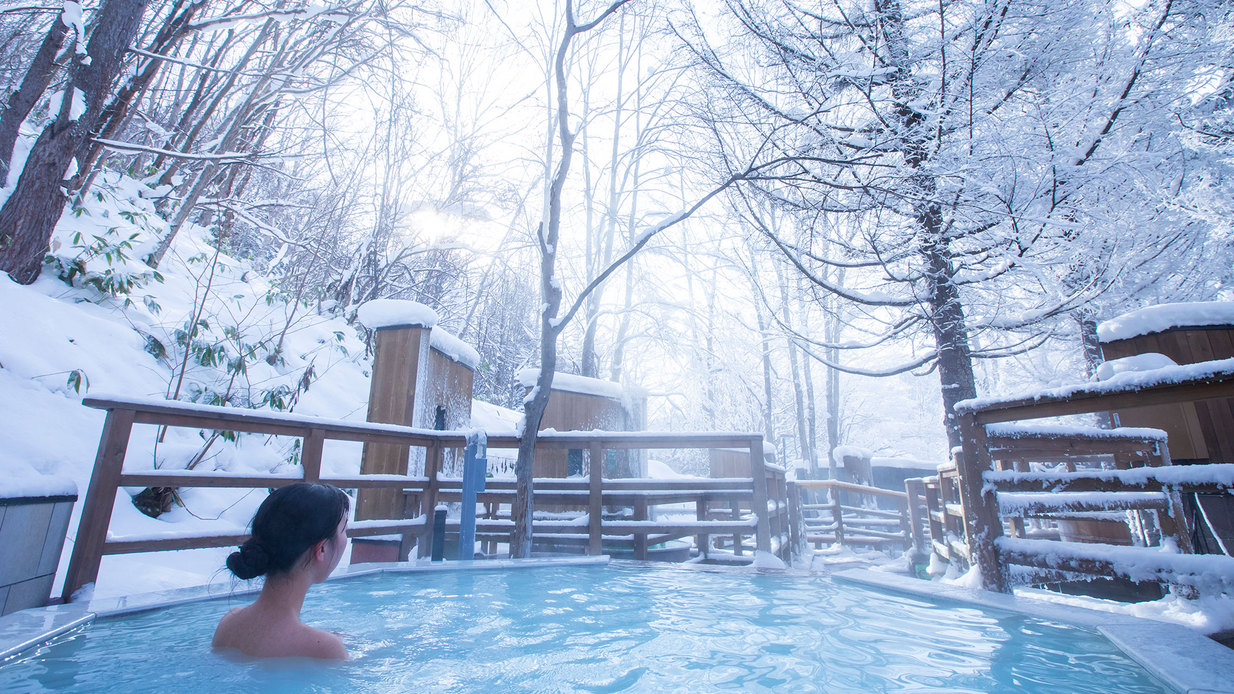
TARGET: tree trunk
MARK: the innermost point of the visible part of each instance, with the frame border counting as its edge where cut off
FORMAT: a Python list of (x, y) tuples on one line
[(31, 212), (38, 76), (946, 312), (115, 115)]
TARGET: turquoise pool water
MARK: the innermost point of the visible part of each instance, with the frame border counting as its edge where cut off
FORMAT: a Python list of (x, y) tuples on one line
[(597, 629)]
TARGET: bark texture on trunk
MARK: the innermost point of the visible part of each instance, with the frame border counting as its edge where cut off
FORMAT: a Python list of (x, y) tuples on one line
[(38, 76), (31, 212)]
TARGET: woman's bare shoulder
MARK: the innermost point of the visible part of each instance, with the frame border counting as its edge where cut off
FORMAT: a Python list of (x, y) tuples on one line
[(316, 643)]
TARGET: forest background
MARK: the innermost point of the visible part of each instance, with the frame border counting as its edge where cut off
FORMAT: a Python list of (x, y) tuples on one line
[(826, 221)]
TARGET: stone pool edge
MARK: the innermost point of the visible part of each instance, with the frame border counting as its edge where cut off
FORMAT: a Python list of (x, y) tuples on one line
[(20, 631), (1179, 657)]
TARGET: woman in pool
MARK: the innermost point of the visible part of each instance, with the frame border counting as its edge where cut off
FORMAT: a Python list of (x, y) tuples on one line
[(298, 539)]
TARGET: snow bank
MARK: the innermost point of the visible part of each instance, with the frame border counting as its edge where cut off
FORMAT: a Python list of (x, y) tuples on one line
[(389, 313), (33, 484), (575, 384), (1155, 319), (495, 420), (1116, 369)]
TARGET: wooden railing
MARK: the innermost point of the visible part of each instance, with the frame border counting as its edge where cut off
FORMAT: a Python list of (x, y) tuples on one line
[(981, 484), (850, 524), (593, 494)]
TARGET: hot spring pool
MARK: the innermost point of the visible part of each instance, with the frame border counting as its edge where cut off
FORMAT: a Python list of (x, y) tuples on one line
[(597, 629)]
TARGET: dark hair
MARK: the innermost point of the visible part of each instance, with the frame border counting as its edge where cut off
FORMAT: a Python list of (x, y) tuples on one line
[(290, 521)]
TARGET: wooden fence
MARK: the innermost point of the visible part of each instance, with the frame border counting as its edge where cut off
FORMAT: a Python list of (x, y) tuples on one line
[(761, 491), (842, 520), (983, 489)]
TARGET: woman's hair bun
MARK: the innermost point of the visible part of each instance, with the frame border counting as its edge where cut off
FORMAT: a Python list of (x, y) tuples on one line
[(250, 561)]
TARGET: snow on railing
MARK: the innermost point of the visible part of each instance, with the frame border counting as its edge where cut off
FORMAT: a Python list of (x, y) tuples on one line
[(988, 495)]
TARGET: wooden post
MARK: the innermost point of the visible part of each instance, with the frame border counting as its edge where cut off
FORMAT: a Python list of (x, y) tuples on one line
[(310, 455), (735, 507), (758, 470), (837, 513), (796, 536), (595, 500), (982, 524), (428, 501), (703, 540), (100, 498), (640, 536), (915, 488)]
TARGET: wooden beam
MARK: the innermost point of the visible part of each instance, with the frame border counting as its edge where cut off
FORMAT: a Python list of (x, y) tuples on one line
[(1102, 398), (100, 498)]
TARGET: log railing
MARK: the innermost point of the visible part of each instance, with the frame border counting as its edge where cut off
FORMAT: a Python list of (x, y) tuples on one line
[(981, 484), (593, 494)]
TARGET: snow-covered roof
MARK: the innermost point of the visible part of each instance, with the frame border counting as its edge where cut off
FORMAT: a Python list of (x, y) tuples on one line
[(1128, 381), (575, 384), (1162, 317), (449, 345), (842, 452), (397, 313), (33, 484), (906, 463), (388, 313)]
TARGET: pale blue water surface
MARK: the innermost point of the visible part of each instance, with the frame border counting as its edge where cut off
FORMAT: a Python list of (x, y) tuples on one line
[(597, 629)]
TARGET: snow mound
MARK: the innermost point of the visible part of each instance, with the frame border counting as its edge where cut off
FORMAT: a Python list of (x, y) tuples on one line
[(389, 313), (1114, 369)]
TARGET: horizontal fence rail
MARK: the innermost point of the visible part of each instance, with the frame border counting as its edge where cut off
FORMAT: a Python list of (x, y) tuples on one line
[(744, 498)]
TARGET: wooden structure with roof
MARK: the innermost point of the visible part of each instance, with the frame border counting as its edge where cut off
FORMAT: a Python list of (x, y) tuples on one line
[(422, 378)]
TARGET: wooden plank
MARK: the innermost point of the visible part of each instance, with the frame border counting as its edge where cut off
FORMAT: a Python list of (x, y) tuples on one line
[(175, 413), (173, 543), (1161, 566), (205, 479), (1148, 480), (1099, 398), (848, 486), (100, 497)]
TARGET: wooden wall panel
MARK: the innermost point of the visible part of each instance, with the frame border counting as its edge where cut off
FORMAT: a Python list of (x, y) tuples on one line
[(1200, 431)]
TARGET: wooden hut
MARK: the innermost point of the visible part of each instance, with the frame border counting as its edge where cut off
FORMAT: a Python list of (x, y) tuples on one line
[(1198, 432), (578, 403), (422, 377), (1186, 334)]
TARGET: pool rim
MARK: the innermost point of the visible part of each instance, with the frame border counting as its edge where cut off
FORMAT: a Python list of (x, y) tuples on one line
[(1178, 657)]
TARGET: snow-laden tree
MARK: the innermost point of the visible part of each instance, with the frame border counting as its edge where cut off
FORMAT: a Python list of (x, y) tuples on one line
[(979, 172)]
